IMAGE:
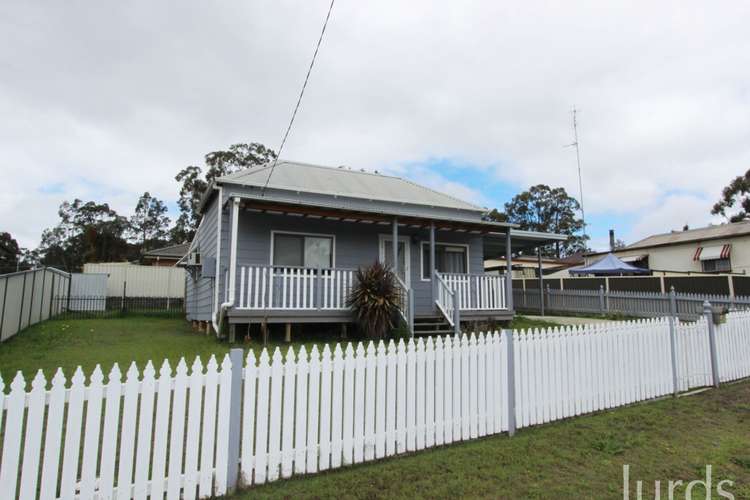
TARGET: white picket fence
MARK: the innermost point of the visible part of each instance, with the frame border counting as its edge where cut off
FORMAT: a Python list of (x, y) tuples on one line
[(144, 421), (183, 434)]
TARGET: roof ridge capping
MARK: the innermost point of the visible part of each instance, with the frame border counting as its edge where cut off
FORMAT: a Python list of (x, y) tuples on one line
[(254, 171)]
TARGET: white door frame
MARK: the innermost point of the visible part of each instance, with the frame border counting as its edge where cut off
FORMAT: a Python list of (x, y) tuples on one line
[(406, 240)]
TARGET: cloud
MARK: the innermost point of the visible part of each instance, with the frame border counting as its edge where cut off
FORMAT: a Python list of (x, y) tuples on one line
[(125, 95), (672, 214)]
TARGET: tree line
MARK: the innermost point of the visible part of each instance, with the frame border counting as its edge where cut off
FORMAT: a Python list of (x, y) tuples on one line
[(89, 231)]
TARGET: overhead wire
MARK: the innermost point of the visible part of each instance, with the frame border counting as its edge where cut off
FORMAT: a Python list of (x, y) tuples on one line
[(299, 99)]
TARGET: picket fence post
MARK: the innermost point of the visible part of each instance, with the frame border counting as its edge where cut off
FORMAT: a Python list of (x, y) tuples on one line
[(708, 313), (511, 380), (673, 340), (235, 401)]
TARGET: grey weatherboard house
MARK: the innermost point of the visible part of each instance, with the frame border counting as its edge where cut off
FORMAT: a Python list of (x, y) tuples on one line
[(289, 253)]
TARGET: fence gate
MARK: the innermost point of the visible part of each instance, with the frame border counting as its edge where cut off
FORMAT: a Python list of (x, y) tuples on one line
[(92, 288)]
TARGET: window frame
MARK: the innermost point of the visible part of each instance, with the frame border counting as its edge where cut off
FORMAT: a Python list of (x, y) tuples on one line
[(715, 261), (422, 244), (406, 240), (332, 237)]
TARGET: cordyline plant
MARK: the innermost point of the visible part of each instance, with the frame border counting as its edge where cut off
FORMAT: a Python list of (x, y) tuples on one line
[(374, 300)]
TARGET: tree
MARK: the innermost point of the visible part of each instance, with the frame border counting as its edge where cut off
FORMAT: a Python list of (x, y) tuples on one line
[(87, 232), (9, 252), (149, 224), (619, 244), (734, 196), (549, 210), (193, 184)]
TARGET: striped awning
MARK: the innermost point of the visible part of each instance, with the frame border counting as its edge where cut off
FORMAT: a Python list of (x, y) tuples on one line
[(712, 253)]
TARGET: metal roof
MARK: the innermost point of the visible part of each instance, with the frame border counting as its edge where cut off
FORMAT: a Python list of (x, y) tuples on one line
[(176, 251), (304, 177), (718, 231), (494, 243)]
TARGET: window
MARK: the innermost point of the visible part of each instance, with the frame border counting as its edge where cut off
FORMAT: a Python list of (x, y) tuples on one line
[(716, 265), (448, 259), (302, 250)]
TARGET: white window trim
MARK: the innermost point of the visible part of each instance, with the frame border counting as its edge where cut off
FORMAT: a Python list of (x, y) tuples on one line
[(437, 244), (274, 232), (407, 257)]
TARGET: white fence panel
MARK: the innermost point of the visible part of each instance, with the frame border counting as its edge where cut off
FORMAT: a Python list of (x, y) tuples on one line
[(92, 288), (117, 459), (733, 346), (144, 437), (140, 281)]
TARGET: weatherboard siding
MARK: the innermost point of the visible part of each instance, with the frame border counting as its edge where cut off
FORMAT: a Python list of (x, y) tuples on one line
[(199, 291), (356, 245)]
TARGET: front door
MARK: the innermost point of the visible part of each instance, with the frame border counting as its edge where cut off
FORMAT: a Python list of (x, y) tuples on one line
[(386, 255)]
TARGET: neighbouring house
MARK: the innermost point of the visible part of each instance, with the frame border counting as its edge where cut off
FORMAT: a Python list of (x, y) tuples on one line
[(720, 248), (285, 249), (165, 256)]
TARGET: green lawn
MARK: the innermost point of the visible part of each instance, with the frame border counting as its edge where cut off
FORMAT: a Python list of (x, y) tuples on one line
[(86, 342), (672, 439)]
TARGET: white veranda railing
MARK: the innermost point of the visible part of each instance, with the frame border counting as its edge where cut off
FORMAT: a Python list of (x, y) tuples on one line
[(477, 292), (294, 288)]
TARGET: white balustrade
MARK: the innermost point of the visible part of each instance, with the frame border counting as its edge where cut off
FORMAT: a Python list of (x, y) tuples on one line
[(294, 288)]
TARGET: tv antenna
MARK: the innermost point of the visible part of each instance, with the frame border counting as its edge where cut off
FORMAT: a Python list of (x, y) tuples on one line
[(578, 161)]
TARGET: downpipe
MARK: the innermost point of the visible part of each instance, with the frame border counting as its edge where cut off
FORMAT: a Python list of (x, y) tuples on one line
[(218, 317)]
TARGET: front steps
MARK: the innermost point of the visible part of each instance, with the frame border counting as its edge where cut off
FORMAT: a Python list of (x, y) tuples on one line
[(432, 327)]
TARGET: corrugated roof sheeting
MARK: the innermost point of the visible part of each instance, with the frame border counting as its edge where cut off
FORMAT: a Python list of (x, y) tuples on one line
[(710, 232), (303, 177)]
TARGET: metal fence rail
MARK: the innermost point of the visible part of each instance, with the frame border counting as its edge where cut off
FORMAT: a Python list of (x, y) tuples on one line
[(686, 306), (81, 307), (28, 297)]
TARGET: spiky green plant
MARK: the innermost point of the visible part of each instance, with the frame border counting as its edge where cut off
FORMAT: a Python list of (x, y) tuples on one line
[(374, 300)]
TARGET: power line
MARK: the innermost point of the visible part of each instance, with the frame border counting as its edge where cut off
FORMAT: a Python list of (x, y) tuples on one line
[(299, 99)]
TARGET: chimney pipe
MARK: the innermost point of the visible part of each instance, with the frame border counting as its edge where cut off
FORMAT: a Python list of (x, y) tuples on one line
[(612, 240)]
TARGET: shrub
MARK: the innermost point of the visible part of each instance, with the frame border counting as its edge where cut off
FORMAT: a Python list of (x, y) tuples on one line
[(374, 300)]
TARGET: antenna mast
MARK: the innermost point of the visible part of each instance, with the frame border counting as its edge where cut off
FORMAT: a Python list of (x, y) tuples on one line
[(578, 160)]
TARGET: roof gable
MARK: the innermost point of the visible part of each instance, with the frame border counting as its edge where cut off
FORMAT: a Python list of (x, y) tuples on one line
[(303, 177)]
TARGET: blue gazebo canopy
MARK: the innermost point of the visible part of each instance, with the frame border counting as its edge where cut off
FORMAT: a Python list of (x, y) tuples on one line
[(608, 265)]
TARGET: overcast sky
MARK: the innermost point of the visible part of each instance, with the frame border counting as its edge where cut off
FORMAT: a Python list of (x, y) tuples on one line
[(105, 100)]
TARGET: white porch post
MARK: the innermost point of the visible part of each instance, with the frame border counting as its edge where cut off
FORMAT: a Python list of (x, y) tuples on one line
[(394, 237), (509, 272), (433, 281), (541, 280), (233, 249)]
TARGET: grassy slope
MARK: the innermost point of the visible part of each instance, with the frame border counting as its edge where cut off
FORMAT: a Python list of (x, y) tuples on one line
[(86, 342), (69, 343), (577, 458)]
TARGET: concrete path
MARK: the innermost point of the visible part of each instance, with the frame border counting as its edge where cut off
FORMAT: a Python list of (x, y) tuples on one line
[(570, 320)]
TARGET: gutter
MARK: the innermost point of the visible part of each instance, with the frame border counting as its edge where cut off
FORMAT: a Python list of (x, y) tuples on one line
[(217, 318)]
